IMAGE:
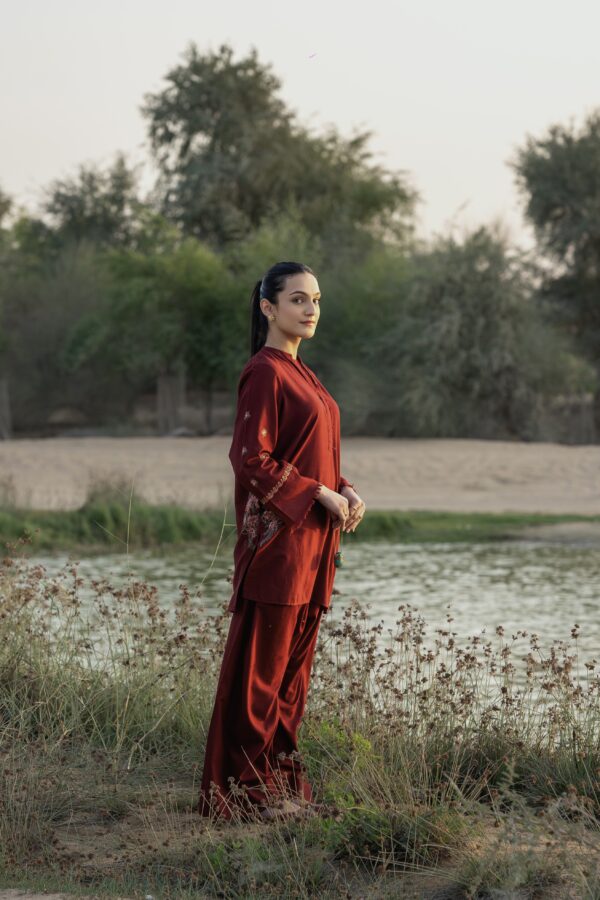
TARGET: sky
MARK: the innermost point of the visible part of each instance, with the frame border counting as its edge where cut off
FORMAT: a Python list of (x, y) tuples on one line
[(449, 90)]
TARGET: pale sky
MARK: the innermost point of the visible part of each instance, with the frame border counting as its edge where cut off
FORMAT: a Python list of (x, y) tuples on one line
[(449, 88)]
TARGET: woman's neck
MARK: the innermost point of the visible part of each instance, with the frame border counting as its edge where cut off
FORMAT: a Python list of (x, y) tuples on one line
[(287, 347)]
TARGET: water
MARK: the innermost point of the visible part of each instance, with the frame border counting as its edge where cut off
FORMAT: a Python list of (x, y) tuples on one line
[(545, 588), (542, 588)]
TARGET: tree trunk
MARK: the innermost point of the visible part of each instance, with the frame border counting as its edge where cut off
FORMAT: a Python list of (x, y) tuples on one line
[(5, 421), (170, 397), (208, 409), (596, 414)]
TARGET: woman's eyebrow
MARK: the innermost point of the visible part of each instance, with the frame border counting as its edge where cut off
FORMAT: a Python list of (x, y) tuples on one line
[(318, 294)]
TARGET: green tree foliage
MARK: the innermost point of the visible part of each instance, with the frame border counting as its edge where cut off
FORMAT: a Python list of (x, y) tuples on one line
[(102, 207), (164, 311), (5, 405), (231, 155), (5, 208), (558, 175), (6, 203), (30, 246), (42, 300), (362, 297), (54, 284), (469, 353), (105, 295)]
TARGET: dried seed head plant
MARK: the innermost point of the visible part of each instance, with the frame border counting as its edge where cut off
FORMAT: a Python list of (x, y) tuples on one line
[(422, 729)]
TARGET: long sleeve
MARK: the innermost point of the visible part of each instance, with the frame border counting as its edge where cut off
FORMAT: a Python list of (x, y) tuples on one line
[(277, 483)]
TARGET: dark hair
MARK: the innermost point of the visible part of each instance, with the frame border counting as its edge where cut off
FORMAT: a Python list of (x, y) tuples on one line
[(270, 284)]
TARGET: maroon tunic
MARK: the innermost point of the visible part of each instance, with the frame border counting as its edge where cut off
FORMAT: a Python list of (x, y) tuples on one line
[(286, 441)]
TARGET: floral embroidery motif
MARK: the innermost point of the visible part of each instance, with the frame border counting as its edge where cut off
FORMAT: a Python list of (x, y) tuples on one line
[(244, 450), (263, 431), (287, 470), (263, 454), (247, 414), (253, 481), (259, 524)]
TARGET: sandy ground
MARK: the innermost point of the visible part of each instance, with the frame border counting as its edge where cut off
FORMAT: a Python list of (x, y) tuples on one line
[(389, 473)]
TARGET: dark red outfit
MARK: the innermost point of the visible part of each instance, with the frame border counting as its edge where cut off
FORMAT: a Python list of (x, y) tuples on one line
[(286, 441)]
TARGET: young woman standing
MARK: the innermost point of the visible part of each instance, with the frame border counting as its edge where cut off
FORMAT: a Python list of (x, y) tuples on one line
[(291, 503)]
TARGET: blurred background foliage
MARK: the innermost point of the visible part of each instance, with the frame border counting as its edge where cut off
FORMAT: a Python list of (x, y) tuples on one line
[(110, 297)]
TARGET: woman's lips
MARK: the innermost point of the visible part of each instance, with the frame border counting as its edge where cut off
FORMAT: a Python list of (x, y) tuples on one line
[(310, 322)]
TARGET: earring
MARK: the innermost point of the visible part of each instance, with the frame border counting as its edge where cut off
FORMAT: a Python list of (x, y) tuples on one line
[(272, 318)]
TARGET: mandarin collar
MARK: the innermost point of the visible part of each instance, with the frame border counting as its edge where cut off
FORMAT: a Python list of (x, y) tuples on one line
[(284, 352)]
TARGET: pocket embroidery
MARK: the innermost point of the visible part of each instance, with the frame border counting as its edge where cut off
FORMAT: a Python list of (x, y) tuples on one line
[(259, 524)]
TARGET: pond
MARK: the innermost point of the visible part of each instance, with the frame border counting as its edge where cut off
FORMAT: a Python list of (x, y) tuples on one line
[(542, 587)]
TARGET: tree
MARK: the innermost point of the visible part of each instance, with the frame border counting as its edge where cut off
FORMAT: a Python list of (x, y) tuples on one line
[(230, 156), (5, 415), (558, 175), (102, 208), (165, 318), (469, 354), (43, 299), (53, 283)]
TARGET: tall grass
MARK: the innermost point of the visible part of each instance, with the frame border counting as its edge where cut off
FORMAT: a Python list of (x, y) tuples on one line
[(469, 768)]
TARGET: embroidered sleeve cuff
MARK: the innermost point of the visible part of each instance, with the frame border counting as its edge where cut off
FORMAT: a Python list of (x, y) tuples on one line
[(292, 496)]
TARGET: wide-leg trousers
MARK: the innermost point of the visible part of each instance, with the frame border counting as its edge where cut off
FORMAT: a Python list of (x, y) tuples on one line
[(252, 749)]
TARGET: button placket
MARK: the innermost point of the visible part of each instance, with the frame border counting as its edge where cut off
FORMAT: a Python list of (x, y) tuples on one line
[(317, 388)]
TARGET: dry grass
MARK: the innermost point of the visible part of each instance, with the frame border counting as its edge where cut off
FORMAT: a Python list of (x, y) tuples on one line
[(457, 771)]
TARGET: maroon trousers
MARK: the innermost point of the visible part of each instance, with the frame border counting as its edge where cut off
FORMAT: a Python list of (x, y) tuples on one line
[(252, 751)]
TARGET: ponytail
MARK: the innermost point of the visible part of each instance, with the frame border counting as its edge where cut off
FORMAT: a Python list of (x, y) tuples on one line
[(258, 321)]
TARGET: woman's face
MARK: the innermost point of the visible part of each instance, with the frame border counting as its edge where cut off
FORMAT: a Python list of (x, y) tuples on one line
[(298, 309)]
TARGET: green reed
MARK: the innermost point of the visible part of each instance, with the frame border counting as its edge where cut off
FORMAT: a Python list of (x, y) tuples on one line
[(112, 517)]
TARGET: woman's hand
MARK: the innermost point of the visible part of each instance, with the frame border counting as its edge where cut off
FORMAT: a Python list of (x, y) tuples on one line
[(356, 508), (335, 503)]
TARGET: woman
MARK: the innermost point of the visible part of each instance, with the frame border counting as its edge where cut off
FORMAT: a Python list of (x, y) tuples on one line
[(291, 502)]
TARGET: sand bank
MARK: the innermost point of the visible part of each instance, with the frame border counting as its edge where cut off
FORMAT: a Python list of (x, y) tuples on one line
[(435, 474)]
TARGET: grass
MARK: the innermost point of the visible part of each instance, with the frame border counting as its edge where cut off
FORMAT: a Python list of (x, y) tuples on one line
[(111, 518), (456, 770)]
